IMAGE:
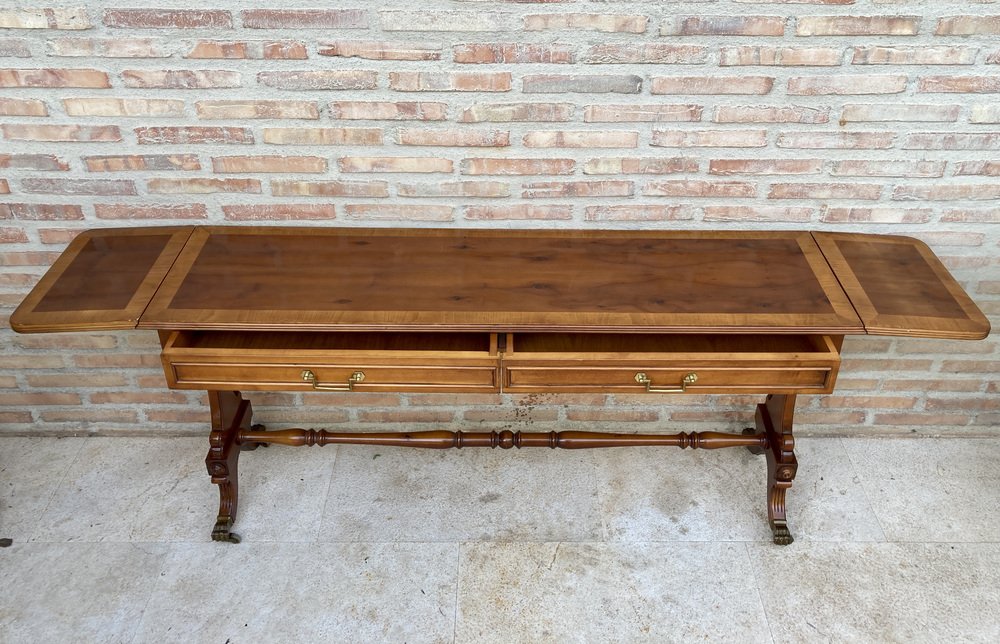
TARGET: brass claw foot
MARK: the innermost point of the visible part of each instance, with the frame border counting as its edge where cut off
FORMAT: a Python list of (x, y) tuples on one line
[(782, 536), (221, 532)]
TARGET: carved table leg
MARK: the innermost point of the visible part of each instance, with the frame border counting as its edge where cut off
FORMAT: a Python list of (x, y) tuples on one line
[(230, 414), (774, 420)]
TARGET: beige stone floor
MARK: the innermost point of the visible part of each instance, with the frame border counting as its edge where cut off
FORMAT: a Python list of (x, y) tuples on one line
[(897, 540)]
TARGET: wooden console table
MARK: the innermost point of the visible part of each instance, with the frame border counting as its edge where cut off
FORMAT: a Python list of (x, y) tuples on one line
[(418, 310)]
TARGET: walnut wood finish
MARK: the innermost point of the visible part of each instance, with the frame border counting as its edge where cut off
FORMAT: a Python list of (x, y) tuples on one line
[(497, 310), (921, 300), (102, 281), (461, 280), (506, 439)]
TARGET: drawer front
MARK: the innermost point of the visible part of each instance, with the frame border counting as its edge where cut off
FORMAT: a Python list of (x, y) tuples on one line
[(707, 379), (331, 377)]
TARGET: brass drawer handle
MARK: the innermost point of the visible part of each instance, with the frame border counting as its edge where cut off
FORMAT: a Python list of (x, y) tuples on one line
[(643, 379), (356, 377)]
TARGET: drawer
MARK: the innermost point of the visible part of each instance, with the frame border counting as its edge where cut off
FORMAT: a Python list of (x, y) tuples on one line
[(279, 361), (669, 364)]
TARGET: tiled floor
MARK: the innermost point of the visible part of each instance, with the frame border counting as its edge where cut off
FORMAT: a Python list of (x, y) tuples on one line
[(897, 540)]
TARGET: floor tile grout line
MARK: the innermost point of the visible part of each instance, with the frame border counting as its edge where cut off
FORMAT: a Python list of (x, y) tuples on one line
[(864, 489), (756, 584), (55, 488), (458, 582), (329, 489), (170, 550)]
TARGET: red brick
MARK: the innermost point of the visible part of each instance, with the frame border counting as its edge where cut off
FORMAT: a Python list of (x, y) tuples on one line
[(513, 53), (968, 26), (62, 186), (865, 191), (388, 110), (921, 418), (757, 213), (137, 162), (4, 187), (33, 162), (884, 55), (962, 404), (581, 84), (857, 25), (531, 415), (323, 136), (95, 133), (167, 19), (690, 188), (180, 78), (450, 81), (638, 165), (952, 141), (249, 49), (48, 18), (641, 113), (91, 415), (117, 211), (235, 109), (520, 212), (982, 168), (291, 187), (959, 84), (183, 135), (607, 23), (22, 107), (395, 164), (637, 213), (781, 56), (381, 50), (972, 215), (899, 112), (476, 189), (770, 114), (311, 80), (712, 85), (843, 84), (109, 47), (52, 77), (399, 212), (765, 166), (45, 212), (836, 140), (984, 114), (28, 399), (710, 138), (723, 26), (868, 402), (520, 112), (876, 215), (16, 417), (154, 107), (491, 21), (268, 163), (866, 168), (305, 18), (69, 341), (590, 189), (645, 53), (513, 167), (405, 416), (15, 47), (278, 212), (201, 185), (612, 415), (947, 192), (586, 139), (31, 361), (454, 137), (55, 381)]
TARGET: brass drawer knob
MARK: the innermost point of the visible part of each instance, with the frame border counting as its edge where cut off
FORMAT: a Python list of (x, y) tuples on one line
[(356, 377), (643, 379)]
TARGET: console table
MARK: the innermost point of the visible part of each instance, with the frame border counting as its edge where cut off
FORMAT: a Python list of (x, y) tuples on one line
[(455, 310)]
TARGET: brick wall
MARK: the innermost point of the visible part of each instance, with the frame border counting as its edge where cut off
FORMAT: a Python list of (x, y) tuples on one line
[(854, 115)]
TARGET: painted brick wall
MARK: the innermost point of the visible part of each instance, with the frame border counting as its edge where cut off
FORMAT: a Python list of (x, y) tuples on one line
[(855, 115)]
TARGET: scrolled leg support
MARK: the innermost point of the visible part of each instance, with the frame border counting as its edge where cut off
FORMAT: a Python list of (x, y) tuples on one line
[(231, 413), (774, 421)]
